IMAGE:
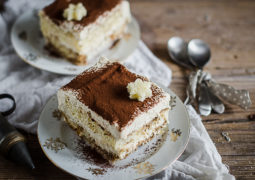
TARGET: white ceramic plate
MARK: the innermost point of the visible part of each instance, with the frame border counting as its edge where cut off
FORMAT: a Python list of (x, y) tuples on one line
[(30, 46), (64, 149)]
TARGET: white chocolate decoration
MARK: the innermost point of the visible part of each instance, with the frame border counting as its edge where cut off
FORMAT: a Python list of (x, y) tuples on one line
[(139, 90), (75, 12)]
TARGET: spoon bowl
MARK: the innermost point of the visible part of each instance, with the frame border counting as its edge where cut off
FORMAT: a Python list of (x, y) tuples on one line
[(199, 53), (177, 49)]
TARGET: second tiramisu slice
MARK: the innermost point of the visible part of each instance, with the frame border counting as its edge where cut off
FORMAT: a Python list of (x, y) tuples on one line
[(79, 30)]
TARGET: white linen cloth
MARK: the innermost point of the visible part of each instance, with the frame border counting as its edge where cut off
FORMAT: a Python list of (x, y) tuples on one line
[(32, 88)]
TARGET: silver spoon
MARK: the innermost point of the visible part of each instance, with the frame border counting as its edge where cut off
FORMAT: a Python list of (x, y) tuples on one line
[(195, 53), (199, 54), (177, 49), (204, 101)]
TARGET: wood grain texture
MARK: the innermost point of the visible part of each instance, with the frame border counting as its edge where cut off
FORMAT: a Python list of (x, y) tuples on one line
[(229, 28)]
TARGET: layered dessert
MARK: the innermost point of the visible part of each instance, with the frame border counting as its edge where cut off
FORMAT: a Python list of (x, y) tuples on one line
[(80, 29), (113, 109)]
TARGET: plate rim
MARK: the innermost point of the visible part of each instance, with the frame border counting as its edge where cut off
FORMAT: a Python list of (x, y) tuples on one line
[(145, 176), (70, 73)]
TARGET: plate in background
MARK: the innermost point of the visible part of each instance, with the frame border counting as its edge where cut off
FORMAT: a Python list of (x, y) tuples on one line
[(29, 44)]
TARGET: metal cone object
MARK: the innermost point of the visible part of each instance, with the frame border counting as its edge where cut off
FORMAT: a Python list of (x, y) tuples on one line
[(12, 143)]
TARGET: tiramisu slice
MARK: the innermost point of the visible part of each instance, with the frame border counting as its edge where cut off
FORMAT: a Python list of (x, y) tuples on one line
[(80, 29), (114, 110)]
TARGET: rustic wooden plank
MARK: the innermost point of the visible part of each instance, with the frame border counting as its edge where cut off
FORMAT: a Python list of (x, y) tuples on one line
[(177, 22), (235, 136), (219, 23), (238, 166), (242, 148), (231, 126)]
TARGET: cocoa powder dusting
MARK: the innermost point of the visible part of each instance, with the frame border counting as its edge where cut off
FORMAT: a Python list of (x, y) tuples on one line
[(91, 155), (51, 51), (105, 92), (94, 8)]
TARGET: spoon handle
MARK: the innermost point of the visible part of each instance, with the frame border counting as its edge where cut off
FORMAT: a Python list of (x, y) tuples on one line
[(204, 103), (216, 103)]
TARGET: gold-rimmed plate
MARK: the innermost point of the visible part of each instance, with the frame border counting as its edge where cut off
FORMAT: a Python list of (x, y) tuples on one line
[(64, 149), (29, 44)]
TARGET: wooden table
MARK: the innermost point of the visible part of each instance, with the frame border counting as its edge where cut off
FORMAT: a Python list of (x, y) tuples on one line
[(229, 28)]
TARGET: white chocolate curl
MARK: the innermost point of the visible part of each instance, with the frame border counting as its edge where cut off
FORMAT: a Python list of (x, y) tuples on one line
[(75, 12), (139, 90)]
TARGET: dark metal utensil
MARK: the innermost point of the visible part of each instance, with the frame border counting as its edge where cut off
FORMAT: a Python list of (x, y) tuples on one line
[(204, 101), (216, 103), (199, 53), (12, 143), (177, 49), (2, 5)]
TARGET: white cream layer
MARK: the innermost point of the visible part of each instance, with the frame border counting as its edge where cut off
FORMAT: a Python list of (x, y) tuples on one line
[(142, 119), (77, 117)]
